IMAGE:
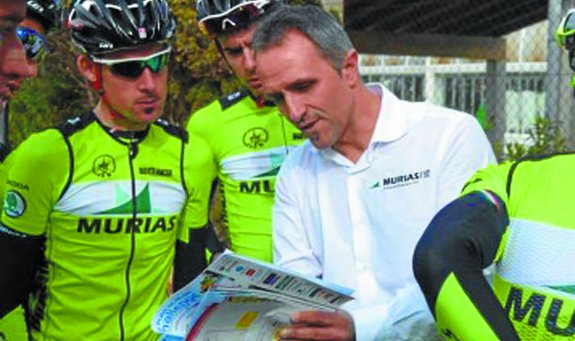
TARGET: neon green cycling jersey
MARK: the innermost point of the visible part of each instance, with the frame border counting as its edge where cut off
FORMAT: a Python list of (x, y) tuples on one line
[(108, 206), (534, 278), (248, 143)]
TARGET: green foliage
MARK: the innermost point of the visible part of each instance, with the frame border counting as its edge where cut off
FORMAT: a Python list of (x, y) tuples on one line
[(544, 138), (335, 12), (198, 73), (46, 101)]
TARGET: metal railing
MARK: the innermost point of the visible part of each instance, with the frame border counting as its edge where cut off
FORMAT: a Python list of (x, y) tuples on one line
[(462, 86)]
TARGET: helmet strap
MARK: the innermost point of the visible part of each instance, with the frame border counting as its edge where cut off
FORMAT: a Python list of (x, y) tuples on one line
[(219, 47), (97, 84)]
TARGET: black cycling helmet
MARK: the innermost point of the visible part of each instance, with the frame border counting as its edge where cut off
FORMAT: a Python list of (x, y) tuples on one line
[(47, 12), (103, 26), (217, 17)]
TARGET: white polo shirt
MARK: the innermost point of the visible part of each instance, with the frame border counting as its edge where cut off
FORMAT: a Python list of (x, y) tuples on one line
[(357, 224)]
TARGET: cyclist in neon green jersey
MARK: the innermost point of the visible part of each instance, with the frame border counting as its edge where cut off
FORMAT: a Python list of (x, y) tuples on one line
[(41, 17), (93, 208), (520, 216), (248, 137)]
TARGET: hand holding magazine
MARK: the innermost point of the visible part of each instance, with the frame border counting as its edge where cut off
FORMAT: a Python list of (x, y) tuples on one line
[(238, 298)]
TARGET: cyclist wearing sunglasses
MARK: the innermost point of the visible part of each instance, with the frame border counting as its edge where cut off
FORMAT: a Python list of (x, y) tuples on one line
[(13, 66), (41, 17), (88, 234), (518, 215), (248, 137)]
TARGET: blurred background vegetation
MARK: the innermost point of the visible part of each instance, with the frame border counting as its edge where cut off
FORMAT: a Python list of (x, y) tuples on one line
[(198, 75)]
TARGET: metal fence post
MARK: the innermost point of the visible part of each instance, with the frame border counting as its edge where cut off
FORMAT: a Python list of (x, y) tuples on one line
[(495, 104)]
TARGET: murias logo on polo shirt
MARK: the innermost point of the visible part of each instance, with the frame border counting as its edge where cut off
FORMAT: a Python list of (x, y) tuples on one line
[(401, 180)]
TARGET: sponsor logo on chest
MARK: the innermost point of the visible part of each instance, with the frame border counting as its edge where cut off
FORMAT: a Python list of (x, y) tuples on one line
[(401, 180), (256, 187), (126, 225), (530, 309), (155, 171), (104, 166), (256, 138)]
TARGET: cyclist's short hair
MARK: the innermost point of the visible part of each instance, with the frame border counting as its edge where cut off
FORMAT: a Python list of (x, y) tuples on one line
[(319, 26)]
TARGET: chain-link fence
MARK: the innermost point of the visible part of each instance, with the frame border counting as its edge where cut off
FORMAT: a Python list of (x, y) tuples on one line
[(535, 111)]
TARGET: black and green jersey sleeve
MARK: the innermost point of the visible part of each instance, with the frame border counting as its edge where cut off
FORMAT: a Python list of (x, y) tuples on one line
[(462, 240), (533, 283)]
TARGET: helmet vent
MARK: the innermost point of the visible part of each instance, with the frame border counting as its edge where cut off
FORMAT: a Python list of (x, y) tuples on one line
[(103, 26)]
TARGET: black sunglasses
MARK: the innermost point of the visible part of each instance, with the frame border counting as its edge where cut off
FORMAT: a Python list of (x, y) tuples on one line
[(237, 17), (133, 68), (34, 42)]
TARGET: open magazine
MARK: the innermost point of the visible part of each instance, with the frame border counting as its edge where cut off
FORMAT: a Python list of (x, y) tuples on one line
[(238, 298)]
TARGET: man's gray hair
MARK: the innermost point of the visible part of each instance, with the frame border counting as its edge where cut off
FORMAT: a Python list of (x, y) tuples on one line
[(318, 25)]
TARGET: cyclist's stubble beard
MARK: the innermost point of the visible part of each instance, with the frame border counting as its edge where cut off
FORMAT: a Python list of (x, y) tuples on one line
[(129, 115)]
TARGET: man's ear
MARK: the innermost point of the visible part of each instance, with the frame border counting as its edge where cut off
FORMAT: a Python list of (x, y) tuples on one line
[(91, 71), (350, 68), (87, 68)]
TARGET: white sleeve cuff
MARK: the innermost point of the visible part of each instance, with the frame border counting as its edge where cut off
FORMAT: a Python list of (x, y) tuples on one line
[(367, 321)]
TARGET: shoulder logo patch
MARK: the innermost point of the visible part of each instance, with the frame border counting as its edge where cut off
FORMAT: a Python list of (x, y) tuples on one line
[(14, 204), (104, 166), (256, 138)]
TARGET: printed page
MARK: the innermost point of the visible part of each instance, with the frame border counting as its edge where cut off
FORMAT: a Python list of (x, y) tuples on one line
[(249, 273), (233, 275), (243, 318)]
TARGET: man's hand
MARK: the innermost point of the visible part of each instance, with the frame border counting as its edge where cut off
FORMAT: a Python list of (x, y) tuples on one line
[(320, 325)]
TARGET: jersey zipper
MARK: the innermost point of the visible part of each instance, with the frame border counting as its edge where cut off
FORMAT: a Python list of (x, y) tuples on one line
[(132, 151)]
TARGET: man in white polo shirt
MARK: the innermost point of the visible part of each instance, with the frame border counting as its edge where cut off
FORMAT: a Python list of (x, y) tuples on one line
[(352, 202)]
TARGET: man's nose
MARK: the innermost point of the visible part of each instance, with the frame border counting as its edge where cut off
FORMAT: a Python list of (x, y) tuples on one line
[(146, 81), (249, 59), (293, 109)]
